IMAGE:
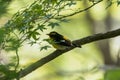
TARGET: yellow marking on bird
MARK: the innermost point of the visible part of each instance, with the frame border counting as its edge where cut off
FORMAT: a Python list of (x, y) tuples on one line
[(66, 38)]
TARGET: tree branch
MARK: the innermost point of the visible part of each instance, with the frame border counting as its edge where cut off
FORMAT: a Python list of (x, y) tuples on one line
[(99, 36), (78, 11), (57, 53)]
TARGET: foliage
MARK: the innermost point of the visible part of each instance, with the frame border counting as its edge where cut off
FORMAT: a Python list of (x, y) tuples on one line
[(6, 71), (30, 23), (113, 74), (111, 2), (34, 20), (118, 2), (3, 6)]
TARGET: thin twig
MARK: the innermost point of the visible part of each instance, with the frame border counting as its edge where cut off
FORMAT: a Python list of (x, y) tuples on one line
[(79, 11), (17, 64)]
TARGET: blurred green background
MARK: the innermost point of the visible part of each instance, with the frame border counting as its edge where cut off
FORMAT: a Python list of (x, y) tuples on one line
[(80, 63)]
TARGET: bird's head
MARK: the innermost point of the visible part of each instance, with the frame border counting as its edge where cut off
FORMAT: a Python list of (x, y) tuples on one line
[(53, 34)]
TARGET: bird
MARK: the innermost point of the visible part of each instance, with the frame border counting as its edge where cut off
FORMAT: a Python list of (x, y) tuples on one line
[(59, 41)]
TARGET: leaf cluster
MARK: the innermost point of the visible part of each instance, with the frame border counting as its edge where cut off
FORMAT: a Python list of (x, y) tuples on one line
[(30, 23), (111, 2)]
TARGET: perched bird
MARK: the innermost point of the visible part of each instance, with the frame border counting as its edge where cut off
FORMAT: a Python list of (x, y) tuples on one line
[(59, 42)]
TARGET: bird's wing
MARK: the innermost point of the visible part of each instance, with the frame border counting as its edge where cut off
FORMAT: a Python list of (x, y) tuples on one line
[(64, 42)]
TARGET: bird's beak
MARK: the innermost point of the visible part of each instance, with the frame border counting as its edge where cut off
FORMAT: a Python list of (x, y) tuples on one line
[(48, 34)]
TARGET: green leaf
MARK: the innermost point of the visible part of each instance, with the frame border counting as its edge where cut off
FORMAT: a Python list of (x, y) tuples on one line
[(71, 3), (32, 42), (109, 3), (118, 2), (29, 34), (4, 69), (64, 20), (113, 74), (48, 15), (12, 44), (53, 24), (46, 40), (45, 47), (37, 8), (54, 1), (41, 27), (34, 35)]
